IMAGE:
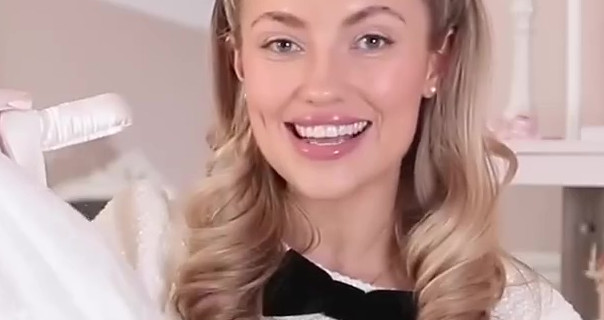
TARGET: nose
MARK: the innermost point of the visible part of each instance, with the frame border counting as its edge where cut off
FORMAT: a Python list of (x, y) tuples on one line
[(322, 82)]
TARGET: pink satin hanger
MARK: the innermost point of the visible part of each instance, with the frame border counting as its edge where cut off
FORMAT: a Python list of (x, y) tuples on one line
[(26, 133)]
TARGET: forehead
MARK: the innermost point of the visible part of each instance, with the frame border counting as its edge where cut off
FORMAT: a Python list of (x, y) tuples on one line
[(330, 11)]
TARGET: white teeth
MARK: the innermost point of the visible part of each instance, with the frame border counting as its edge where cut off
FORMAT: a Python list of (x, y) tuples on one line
[(330, 131)]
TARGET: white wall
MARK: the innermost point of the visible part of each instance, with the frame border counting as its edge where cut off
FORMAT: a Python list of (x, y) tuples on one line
[(189, 13)]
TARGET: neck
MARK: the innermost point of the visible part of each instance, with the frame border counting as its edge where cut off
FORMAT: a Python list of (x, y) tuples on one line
[(356, 228)]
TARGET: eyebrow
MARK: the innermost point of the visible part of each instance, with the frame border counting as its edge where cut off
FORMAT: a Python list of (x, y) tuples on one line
[(281, 17), (357, 17), (371, 11)]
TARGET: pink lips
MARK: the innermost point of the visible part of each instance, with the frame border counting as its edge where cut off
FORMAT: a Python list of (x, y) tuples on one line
[(338, 148)]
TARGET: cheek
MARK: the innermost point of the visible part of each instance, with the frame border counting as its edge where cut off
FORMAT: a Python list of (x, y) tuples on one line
[(398, 78), (269, 85), (399, 83), (394, 88)]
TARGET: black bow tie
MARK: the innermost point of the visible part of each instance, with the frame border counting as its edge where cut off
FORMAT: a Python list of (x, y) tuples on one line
[(299, 287)]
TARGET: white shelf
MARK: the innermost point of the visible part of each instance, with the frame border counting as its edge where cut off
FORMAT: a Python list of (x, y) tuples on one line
[(563, 163)]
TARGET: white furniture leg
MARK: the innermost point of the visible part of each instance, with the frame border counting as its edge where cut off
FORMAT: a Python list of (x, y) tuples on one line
[(520, 103)]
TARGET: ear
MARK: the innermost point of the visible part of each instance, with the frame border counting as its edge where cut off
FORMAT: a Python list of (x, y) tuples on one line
[(437, 64), (237, 64), (432, 76)]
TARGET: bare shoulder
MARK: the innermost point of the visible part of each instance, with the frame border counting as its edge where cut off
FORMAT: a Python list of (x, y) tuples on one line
[(528, 296)]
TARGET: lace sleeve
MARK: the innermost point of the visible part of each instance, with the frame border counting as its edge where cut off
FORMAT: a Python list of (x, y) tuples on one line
[(557, 308), (530, 297)]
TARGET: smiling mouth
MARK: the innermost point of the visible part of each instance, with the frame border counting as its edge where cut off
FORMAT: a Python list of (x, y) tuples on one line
[(328, 134)]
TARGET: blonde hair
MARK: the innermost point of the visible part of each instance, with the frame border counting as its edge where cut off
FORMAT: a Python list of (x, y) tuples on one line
[(446, 237)]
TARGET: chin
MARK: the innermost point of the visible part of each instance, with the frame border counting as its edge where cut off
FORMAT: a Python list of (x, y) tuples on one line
[(323, 187)]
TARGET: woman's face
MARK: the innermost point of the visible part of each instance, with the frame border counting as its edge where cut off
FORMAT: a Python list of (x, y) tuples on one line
[(333, 88)]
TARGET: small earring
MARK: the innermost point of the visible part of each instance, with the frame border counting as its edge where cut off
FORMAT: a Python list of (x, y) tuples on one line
[(432, 93)]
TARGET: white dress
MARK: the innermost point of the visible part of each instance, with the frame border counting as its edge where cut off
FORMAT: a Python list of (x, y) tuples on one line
[(54, 264)]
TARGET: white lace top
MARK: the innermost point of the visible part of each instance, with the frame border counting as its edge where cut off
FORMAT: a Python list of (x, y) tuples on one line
[(137, 222)]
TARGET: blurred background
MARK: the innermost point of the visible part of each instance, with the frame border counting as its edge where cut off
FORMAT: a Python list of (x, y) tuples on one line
[(155, 54)]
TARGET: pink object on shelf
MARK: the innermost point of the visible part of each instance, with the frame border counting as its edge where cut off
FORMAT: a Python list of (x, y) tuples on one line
[(520, 127)]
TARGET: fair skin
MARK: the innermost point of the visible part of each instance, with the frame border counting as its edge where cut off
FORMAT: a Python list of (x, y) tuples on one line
[(313, 63)]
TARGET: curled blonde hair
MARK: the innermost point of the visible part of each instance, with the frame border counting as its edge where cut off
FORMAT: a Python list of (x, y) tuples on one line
[(446, 239)]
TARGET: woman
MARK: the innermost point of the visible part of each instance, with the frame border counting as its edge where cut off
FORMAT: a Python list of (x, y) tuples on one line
[(352, 180), (351, 141)]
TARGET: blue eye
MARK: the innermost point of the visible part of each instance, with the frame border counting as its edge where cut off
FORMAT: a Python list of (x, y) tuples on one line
[(373, 42), (282, 46)]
